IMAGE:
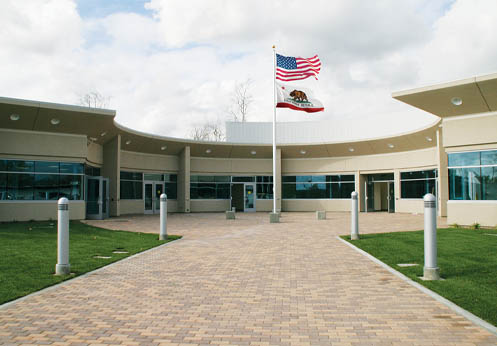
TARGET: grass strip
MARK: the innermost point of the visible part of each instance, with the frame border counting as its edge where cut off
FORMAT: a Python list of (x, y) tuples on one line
[(467, 259), (28, 253)]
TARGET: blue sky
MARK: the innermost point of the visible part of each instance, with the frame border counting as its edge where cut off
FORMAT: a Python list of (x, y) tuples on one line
[(102, 8)]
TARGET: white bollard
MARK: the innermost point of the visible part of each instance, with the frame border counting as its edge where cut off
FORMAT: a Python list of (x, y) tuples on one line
[(163, 217), (431, 270), (354, 218), (62, 267)]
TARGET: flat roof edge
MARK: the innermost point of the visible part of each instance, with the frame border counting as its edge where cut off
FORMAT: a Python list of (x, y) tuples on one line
[(397, 94), (57, 106)]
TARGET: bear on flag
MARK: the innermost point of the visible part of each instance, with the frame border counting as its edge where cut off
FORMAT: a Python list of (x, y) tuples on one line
[(297, 98)]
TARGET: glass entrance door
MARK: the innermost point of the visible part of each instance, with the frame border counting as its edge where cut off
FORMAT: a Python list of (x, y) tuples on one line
[(249, 197), (391, 197), (97, 198), (152, 192)]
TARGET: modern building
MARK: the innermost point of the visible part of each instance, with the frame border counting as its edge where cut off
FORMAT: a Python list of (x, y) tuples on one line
[(48, 151)]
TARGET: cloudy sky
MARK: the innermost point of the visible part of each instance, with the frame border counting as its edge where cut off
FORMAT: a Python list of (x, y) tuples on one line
[(169, 65)]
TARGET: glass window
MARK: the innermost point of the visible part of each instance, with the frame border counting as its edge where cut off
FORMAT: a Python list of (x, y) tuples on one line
[(73, 168), (264, 179), (489, 183), (20, 166), (318, 186), (152, 176), (132, 175), (242, 179), (71, 187), (170, 177), (464, 184), (264, 191), (417, 188), (418, 174), (89, 170), (223, 191), (341, 190), (172, 190), (489, 157), (131, 189), (464, 159), (3, 186), (46, 187), (3, 165), (46, 167), (381, 177), (20, 186), (340, 178)]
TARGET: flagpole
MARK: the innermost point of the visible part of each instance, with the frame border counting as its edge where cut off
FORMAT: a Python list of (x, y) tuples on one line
[(274, 129)]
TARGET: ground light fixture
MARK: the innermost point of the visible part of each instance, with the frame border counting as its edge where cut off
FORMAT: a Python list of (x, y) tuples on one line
[(456, 101), (208, 151), (15, 117), (164, 147), (128, 142), (303, 152), (55, 121)]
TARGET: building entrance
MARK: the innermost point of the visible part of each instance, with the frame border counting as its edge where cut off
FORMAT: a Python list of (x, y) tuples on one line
[(152, 191), (243, 197), (97, 198), (379, 192)]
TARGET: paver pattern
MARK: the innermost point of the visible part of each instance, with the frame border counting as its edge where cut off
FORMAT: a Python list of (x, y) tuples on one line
[(242, 282)]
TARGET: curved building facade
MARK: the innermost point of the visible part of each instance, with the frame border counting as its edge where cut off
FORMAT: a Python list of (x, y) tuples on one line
[(48, 151)]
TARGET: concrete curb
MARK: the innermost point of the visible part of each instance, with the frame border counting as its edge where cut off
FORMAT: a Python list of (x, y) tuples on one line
[(66, 282), (457, 309)]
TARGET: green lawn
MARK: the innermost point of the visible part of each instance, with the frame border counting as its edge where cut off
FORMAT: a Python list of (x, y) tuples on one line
[(467, 260), (28, 253)]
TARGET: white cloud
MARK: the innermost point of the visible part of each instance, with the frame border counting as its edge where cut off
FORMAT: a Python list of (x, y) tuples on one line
[(174, 70)]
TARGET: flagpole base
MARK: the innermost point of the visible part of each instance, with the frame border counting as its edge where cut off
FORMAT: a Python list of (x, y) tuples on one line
[(274, 217)]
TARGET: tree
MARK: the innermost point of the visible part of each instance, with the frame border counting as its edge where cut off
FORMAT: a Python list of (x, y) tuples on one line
[(94, 99), (241, 98), (208, 132)]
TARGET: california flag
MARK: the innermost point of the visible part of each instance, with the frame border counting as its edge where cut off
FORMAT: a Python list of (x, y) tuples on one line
[(297, 98)]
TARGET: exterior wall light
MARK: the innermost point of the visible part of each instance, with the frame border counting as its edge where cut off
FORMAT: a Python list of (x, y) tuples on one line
[(208, 151), (15, 117), (128, 142), (456, 101), (55, 121), (164, 147)]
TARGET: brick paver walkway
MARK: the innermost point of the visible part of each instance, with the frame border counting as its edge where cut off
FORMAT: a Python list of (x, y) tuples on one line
[(242, 282)]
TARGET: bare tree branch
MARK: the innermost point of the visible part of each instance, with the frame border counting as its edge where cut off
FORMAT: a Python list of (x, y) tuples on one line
[(94, 99), (241, 99), (208, 132)]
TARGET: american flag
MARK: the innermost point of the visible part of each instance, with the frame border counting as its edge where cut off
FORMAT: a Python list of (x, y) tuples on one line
[(289, 68)]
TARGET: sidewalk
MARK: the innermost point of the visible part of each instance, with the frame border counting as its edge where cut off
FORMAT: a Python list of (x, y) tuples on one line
[(243, 282)]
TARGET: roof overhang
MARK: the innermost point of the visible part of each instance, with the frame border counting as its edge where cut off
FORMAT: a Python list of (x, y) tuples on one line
[(478, 95)]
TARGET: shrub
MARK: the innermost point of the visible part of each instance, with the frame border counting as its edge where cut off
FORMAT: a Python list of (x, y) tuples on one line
[(476, 225)]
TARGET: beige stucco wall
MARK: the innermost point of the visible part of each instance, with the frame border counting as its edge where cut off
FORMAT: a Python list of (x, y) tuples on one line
[(411, 205), (469, 212), (316, 204), (38, 210), (44, 145), (136, 206), (148, 162), (231, 166), (470, 130), (206, 205), (95, 153), (110, 169), (411, 159)]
